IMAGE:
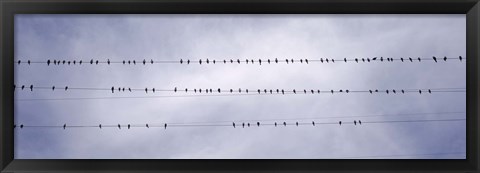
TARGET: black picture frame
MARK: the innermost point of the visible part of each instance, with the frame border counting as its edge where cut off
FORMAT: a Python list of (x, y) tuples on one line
[(9, 8)]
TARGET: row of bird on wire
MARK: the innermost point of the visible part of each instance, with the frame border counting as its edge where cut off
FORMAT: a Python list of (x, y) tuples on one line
[(232, 61), (234, 125), (239, 91)]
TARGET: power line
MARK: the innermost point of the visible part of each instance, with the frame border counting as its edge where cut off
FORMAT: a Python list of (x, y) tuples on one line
[(236, 61), (239, 125)]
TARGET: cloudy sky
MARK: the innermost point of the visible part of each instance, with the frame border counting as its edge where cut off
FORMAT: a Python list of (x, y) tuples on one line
[(175, 37)]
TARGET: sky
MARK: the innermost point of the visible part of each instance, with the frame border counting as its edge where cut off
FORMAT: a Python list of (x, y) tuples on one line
[(253, 36)]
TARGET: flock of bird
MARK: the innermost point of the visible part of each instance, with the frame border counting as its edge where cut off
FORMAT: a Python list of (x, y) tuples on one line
[(165, 125), (259, 91), (231, 61)]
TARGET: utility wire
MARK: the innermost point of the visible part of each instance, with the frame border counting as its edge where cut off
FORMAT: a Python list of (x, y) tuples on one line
[(238, 124), (236, 61)]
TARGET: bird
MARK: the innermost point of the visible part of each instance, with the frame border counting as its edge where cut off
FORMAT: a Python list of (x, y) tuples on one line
[(275, 124), (153, 89), (435, 58), (128, 126), (31, 87), (128, 62), (258, 124), (460, 58), (420, 91), (146, 125), (200, 61), (54, 62), (268, 60), (14, 126), (276, 60), (96, 62), (321, 60), (80, 62), (246, 90), (374, 58), (318, 91), (295, 92), (74, 62), (306, 60), (340, 122), (219, 90), (445, 58), (283, 92), (48, 62), (429, 91), (66, 88), (188, 61), (165, 125), (312, 91), (286, 60), (278, 91), (129, 89), (305, 91), (119, 126), (292, 60), (410, 59), (346, 91), (359, 122), (401, 59), (19, 61), (108, 62), (146, 90), (248, 124), (258, 91), (113, 89), (313, 123), (331, 91), (284, 123), (213, 61), (265, 91), (233, 124), (200, 90), (345, 59), (394, 91), (151, 61), (133, 62), (296, 123), (326, 59), (208, 61), (23, 87), (181, 61), (354, 122), (123, 89), (243, 125), (403, 92), (64, 126), (123, 62), (376, 91), (195, 90), (231, 61), (100, 126), (301, 60), (419, 60), (260, 61), (238, 61), (175, 89), (370, 91), (363, 59), (356, 60), (386, 91), (21, 126), (231, 90)]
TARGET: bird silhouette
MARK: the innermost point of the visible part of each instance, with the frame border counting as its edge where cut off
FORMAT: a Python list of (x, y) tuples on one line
[(165, 125), (188, 61), (19, 61), (66, 88), (96, 62), (403, 92), (313, 123), (239, 90), (318, 91), (64, 126), (133, 62), (429, 91), (260, 61), (54, 62), (286, 60), (386, 91), (123, 89), (238, 61), (331, 91), (401, 59), (208, 61), (296, 123), (175, 89), (153, 89), (23, 87), (411, 60), (14, 126), (100, 126), (374, 58), (113, 89), (119, 127), (31, 87), (363, 59), (312, 91), (305, 91), (233, 124), (283, 92), (284, 123), (356, 60), (321, 60), (435, 58), (394, 91), (354, 122), (80, 62), (200, 90), (258, 91), (265, 91), (74, 62), (151, 61), (213, 61), (294, 91), (306, 60), (21, 126), (276, 60), (370, 91), (108, 61), (420, 91), (460, 58), (243, 125), (248, 124), (326, 59), (359, 122), (231, 90), (195, 90), (129, 89), (200, 61), (346, 91), (268, 60), (123, 62), (445, 58), (128, 126), (345, 59), (146, 90), (301, 60), (128, 62), (275, 124), (258, 124), (246, 90), (181, 61), (48, 62), (292, 61), (231, 61), (340, 122), (146, 125), (419, 59)]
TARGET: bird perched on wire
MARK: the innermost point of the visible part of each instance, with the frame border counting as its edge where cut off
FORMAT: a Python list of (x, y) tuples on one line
[(359, 122), (233, 124), (23, 87), (146, 90), (340, 122), (354, 122), (258, 124), (146, 125), (108, 61), (284, 123), (48, 62), (429, 91), (445, 58), (435, 58), (313, 123), (420, 91), (113, 89), (243, 125), (296, 123), (460, 58), (275, 124), (165, 125), (66, 88), (100, 126), (31, 87), (419, 59), (119, 127), (21, 126), (64, 126), (128, 126)]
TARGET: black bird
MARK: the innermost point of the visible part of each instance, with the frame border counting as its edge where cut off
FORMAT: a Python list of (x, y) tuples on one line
[(435, 58), (128, 62), (243, 125), (208, 61), (346, 91), (276, 60), (420, 59), (74, 62), (19, 61), (356, 60), (153, 89), (144, 61), (66, 88), (278, 91), (181, 61), (195, 90), (258, 124), (248, 124), (151, 61), (386, 91), (108, 61), (429, 91), (363, 59), (31, 87), (345, 59), (410, 59), (340, 122), (219, 90), (326, 59), (294, 91), (188, 61), (200, 61), (23, 86), (305, 91), (123, 89), (231, 61), (175, 89), (318, 91), (239, 90), (133, 62), (260, 61), (123, 62), (129, 89), (321, 60), (96, 62), (394, 91), (213, 61), (268, 60), (128, 126), (21, 126), (231, 90), (283, 92), (368, 59), (54, 62), (291, 60), (147, 125), (312, 91), (370, 91), (284, 123), (403, 92), (313, 123), (64, 126), (301, 60), (100, 126), (401, 59), (119, 126), (445, 58), (306, 60), (258, 91), (374, 58), (296, 123), (286, 60), (381, 58), (63, 62), (460, 58), (186, 90), (420, 91), (200, 90), (80, 62), (265, 91), (238, 61), (275, 124), (359, 122), (14, 126), (146, 90), (113, 89), (376, 91), (165, 125), (233, 124), (48, 62), (246, 90), (331, 91)]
